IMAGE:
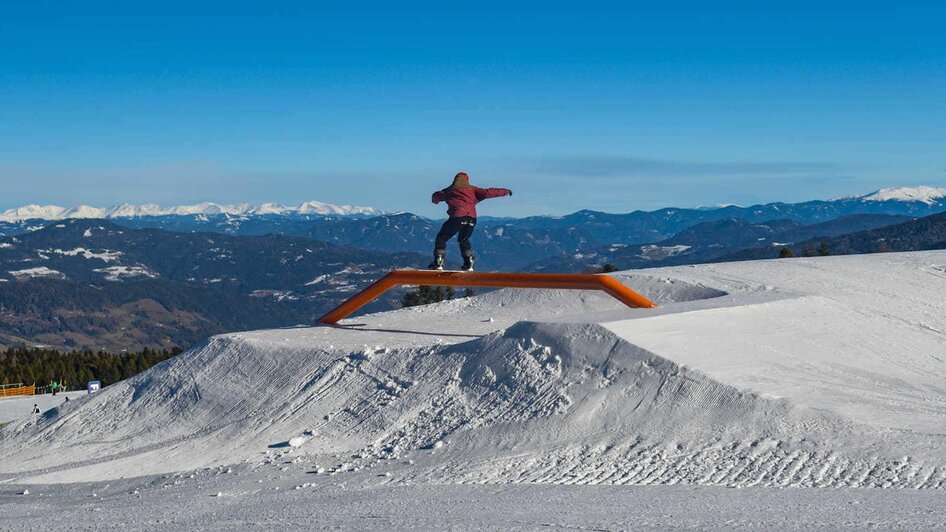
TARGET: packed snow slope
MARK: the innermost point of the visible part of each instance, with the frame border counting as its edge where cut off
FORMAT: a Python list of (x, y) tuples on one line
[(811, 372)]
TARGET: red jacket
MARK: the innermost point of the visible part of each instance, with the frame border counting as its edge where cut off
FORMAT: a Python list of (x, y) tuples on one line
[(462, 201)]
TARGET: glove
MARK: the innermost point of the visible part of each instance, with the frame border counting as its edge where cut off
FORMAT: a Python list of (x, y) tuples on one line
[(509, 191)]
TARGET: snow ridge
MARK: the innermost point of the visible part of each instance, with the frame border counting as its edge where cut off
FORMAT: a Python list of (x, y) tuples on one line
[(55, 212)]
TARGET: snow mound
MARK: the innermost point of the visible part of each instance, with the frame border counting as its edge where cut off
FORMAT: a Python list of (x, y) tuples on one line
[(539, 402), (805, 372)]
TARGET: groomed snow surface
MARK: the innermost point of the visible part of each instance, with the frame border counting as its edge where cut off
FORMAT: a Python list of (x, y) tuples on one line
[(552, 408)]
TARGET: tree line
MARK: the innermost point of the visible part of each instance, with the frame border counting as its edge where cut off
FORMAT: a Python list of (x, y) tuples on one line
[(787, 253), (75, 368)]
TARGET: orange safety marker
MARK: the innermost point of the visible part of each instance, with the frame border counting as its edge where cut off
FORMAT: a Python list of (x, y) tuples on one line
[(17, 390), (568, 281)]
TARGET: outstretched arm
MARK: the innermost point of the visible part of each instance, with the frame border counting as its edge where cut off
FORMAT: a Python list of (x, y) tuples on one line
[(487, 193), (438, 197)]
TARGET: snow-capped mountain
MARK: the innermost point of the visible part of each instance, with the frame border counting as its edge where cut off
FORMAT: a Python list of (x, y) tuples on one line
[(923, 194), (55, 212)]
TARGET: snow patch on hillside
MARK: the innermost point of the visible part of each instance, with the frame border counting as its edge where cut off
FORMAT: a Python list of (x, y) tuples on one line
[(41, 271), (118, 273), (654, 252), (105, 256)]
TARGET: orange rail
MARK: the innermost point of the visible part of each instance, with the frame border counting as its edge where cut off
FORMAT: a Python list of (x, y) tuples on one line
[(498, 280)]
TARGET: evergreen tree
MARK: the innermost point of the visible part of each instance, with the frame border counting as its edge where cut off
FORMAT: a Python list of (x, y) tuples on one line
[(823, 250), (424, 295), (786, 253), (607, 267)]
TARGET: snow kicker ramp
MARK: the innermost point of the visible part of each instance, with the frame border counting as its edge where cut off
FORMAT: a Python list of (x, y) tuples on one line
[(811, 372)]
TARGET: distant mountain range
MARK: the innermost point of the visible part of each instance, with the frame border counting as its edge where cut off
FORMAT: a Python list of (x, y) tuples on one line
[(508, 243), (173, 279), (53, 212), (914, 235), (93, 284), (710, 240)]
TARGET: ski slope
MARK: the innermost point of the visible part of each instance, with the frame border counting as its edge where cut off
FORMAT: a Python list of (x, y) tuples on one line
[(820, 372), (22, 407)]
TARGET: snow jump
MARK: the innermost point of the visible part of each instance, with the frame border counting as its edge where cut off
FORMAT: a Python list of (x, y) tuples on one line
[(566, 281)]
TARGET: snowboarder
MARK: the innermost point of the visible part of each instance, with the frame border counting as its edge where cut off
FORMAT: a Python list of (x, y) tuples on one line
[(35, 408), (461, 198)]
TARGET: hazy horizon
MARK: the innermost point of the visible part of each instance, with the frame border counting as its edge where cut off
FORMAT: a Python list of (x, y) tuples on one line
[(296, 204)]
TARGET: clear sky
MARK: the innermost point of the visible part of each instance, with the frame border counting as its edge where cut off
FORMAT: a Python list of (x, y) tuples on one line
[(607, 106)]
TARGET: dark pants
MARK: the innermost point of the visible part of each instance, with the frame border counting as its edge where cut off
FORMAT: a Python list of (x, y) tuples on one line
[(463, 228)]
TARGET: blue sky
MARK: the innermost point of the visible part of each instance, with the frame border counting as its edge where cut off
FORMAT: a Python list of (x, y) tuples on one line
[(613, 106)]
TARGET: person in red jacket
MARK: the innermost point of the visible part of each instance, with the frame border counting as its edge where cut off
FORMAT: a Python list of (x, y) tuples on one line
[(461, 198)]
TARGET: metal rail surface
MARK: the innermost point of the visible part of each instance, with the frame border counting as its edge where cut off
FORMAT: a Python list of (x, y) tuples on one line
[(566, 281)]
